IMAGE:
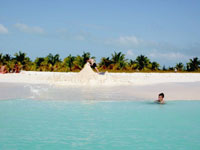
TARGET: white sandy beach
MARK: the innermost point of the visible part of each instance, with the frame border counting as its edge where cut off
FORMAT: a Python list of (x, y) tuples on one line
[(109, 79), (119, 86)]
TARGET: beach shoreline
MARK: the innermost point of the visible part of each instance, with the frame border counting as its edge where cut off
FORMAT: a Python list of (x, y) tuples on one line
[(94, 79), (128, 86)]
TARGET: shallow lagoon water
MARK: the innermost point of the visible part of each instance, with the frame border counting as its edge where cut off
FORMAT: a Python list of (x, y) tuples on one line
[(96, 125)]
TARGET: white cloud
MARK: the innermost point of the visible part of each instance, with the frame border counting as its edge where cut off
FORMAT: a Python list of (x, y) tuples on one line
[(82, 35), (125, 41), (78, 35), (134, 42), (29, 29), (129, 52), (168, 58), (128, 40), (169, 55), (3, 29)]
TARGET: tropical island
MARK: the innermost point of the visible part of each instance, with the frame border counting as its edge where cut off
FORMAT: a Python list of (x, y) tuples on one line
[(100, 75), (116, 63)]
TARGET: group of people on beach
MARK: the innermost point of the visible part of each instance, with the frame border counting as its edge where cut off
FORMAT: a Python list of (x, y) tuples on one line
[(4, 69)]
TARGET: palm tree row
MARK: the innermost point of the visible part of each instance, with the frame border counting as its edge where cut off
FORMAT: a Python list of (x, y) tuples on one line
[(116, 63)]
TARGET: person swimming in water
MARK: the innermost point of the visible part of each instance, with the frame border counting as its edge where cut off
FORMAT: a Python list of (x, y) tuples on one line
[(93, 65), (160, 98)]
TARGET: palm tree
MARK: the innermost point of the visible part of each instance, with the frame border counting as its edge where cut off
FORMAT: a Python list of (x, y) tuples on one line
[(143, 62), (171, 68), (193, 64), (105, 62), (119, 61), (1, 57), (49, 62), (155, 66), (164, 68), (38, 61), (80, 61), (86, 56), (69, 62), (133, 65), (53, 59), (6, 57), (179, 66), (20, 57), (23, 60)]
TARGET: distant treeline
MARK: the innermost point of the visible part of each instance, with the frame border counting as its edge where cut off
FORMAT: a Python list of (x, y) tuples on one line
[(116, 63)]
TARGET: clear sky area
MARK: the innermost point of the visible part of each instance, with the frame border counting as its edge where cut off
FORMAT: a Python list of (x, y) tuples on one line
[(165, 31)]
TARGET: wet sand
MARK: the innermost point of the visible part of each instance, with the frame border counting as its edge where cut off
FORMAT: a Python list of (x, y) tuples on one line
[(173, 91)]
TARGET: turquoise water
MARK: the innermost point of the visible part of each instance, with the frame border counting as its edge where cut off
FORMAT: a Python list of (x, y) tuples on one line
[(99, 125)]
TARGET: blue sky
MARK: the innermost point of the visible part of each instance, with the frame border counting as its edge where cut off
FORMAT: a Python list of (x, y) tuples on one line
[(165, 31)]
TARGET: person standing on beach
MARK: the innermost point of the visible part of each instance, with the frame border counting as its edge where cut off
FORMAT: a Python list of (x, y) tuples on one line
[(93, 65), (160, 98), (3, 69), (16, 68)]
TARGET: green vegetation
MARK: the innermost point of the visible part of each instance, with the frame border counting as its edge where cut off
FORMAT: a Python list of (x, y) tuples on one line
[(116, 63)]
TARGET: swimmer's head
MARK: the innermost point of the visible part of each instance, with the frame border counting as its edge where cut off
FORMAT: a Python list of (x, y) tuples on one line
[(161, 96)]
